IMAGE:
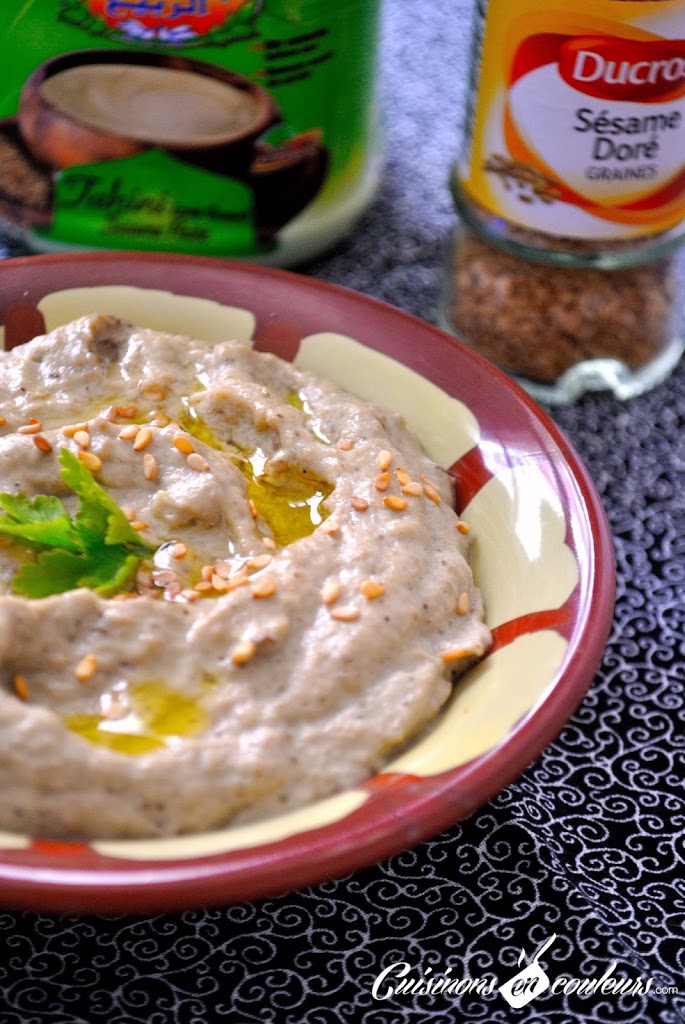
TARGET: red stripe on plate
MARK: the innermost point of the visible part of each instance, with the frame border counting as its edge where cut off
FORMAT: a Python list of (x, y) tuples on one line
[(469, 474), (387, 779), (279, 337), (553, 618), (56, 848)]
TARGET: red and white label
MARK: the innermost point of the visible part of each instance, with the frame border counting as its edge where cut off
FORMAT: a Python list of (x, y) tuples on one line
[(622, 69), (581, 132)]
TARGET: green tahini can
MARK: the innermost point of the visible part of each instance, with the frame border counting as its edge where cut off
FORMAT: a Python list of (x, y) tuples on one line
[(242, 128)]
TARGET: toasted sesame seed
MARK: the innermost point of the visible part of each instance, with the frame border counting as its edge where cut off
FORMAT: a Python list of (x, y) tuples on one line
[(222, 568), (382, 482), (463, 604), (160, 419), (429, 489), (162, 577), (126, 411), (3, 421), (86, 668), (142, 439), (82, 439), (456, 654), (149, 466), (73, 428), (172, 590), (345, 445), (42, 443), (179, 551), (260, 562), (394, 502), (239, 580), (264, 588), (203, 587), (431, 493), (138, 525), (463, 527), (330, 591), (220, 583), (21, 687), (154, 391), (371, 589), (224, 585), (197, 463), (345, 613), (403, 478), (206, 572), (413, 489), (128, 432), (189, 595), (90, 461), (115, 412), (129, 512), (384, 460), (243, 651), (32, 427), (270, 543), (184, 444), (359, 504), (252, 507)]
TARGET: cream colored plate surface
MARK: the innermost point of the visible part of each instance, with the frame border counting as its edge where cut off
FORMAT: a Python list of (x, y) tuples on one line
[(520, 559)]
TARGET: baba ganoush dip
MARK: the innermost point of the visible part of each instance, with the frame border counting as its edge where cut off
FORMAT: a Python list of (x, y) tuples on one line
[(275, 598)]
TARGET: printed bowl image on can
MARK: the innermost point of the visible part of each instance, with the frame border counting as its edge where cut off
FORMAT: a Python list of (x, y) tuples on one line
[(92, 106), (245, 129)]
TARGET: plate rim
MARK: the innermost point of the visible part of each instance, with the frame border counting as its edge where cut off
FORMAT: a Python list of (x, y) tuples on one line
[(61, 877)]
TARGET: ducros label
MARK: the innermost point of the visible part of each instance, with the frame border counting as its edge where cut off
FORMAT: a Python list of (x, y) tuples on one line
[(579, 125)]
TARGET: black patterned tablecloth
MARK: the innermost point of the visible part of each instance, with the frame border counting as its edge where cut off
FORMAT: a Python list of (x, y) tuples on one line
[(587, 845)]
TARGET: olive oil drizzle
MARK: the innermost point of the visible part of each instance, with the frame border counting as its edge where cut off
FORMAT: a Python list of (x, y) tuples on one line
[(299, 401), (153, 715), (290, 502)]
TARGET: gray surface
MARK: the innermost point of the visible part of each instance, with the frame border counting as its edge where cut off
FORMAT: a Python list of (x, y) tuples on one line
[(588, 844)]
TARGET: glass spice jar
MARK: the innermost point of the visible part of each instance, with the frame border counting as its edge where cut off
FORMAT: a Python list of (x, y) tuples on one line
[(571, 193), (564, 330)]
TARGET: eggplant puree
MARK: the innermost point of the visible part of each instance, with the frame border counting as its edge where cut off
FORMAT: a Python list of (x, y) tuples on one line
[(302, 613)]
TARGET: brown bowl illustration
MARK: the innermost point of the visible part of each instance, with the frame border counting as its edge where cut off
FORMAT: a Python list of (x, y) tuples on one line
[(91, 105), (285, 179), (26, 190)]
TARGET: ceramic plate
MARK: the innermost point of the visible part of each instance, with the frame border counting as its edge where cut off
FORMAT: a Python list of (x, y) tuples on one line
[(542, 552)]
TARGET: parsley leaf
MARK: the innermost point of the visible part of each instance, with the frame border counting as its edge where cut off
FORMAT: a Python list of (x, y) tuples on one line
[(97, 548), (98, 514), (40, 510), (43, 520), (106, 571)]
